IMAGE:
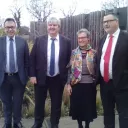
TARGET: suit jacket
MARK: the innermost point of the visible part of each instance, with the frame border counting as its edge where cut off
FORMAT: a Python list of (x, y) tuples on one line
[(38, 58), (120, 61), (22, 54)]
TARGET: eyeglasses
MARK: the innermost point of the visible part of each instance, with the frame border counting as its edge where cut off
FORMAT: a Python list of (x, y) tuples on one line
[(108, 21), (82, 38), (10, 27)]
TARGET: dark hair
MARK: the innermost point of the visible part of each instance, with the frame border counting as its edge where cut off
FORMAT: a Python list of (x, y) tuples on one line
[(9, 19), (113, 14)]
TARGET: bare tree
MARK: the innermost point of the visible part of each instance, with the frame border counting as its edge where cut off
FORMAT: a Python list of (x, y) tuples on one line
[(16, 12), (71, 9), (1, 22), (111, 4), (40, 9)]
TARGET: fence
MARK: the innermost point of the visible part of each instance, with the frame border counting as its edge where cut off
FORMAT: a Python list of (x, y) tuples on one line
[(70, 25)]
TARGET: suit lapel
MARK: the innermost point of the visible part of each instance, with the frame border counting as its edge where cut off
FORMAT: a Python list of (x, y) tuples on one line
[(61, 46), (116, 48), (117, 45), (17, 43), (4, 46), (101, 46), (45, 45)]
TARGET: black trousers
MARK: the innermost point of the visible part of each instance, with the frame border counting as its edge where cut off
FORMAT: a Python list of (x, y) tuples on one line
[(11, 94), (55, 87), (112, 97)]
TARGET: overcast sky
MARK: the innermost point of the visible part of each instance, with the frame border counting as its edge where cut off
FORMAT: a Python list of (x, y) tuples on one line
[(6, 5)]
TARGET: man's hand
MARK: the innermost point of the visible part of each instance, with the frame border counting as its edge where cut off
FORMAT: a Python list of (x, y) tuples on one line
[(33, 80)]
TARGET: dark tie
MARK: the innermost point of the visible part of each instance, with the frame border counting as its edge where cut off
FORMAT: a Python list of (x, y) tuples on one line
[(11, 57), (52, 59), (107, 59)]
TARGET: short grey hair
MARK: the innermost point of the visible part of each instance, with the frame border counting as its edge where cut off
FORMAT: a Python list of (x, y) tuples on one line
[(83, 30), (54, 20)]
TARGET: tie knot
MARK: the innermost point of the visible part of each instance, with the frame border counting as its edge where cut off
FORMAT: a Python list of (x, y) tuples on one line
[(11, 39), (111, 36), (53, 39)]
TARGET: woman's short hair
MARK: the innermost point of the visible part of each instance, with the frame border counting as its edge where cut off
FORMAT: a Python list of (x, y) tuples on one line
[(83, 30)]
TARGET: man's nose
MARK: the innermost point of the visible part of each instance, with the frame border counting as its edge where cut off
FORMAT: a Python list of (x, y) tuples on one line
[(106, 23)]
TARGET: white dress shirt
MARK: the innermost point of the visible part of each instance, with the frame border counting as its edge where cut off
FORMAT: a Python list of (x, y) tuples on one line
[(57, 48), (114, 41), (7, 70)]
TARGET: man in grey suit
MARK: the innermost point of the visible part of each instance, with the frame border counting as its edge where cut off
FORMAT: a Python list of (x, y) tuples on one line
[(14, 59)]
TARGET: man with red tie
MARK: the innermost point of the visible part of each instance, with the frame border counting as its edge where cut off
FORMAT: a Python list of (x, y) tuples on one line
[(112, 72)]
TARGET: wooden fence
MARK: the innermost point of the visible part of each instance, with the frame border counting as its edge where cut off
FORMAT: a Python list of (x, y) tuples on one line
[(70, 26)]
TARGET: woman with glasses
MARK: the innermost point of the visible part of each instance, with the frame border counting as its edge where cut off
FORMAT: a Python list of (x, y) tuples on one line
[(80, 85)]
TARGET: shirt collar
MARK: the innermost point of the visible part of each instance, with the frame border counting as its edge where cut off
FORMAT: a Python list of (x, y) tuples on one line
[(57, 37), (8, 38), (115, 34)]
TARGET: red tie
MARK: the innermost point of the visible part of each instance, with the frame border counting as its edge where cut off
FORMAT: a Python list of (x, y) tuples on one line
[(107, 59)]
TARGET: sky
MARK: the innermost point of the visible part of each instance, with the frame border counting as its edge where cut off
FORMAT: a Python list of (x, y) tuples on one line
[(6, 6)]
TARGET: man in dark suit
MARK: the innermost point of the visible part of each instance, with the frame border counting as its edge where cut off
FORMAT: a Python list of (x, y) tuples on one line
[(14, 59), (48, 71), (112, 72)]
